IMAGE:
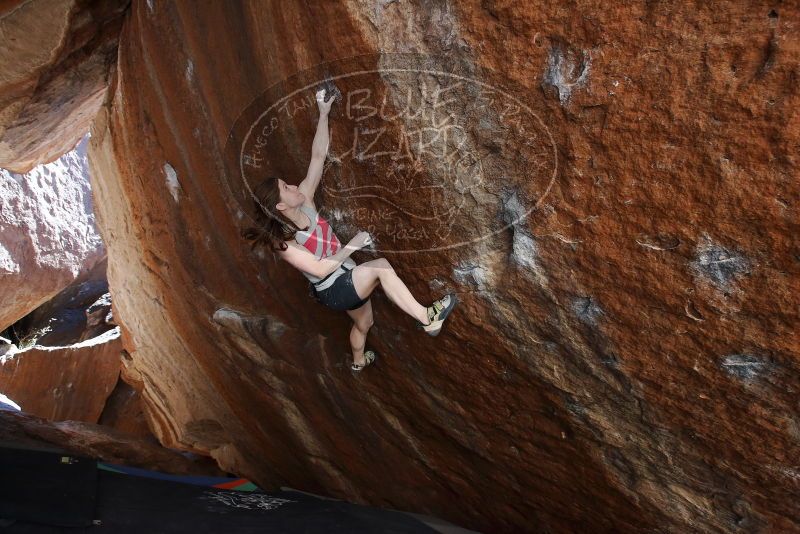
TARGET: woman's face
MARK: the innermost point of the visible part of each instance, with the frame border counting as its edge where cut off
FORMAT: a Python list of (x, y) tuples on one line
[(290, 195)]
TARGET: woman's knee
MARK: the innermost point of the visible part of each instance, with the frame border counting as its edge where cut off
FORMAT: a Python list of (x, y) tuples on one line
[(367, 324), (364, 323), (382, 263)]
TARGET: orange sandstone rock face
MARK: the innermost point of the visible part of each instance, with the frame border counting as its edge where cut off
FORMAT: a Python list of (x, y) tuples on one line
[(64, 383), (55, 62), (98, 441), (124, 412), (624, 356)]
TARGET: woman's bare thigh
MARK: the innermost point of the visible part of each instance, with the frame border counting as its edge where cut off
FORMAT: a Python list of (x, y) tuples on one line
[(366, 278)]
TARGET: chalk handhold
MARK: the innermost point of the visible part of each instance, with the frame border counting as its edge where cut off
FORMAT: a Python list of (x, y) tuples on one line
[(326, 90)]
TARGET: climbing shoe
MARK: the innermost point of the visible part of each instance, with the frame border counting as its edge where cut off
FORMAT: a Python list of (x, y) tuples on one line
[(437, 313), (369, 357)]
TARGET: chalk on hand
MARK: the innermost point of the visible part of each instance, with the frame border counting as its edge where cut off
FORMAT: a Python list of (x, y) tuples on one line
[(368, 240), (327, 90)]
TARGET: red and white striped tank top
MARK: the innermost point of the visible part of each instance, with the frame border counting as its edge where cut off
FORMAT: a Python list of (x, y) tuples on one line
[(321, 241)]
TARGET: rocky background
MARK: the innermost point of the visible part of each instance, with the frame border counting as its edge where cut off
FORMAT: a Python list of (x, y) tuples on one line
[(57, 57), (49, 236), (625, 354)]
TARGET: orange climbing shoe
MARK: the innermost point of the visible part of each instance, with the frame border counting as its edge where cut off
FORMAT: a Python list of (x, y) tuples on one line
[(437, 313)]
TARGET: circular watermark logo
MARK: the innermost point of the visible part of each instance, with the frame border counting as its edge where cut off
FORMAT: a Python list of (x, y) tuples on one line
[(422, 155)]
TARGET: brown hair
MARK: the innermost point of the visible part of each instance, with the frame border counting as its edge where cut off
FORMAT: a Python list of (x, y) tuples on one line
[(272, 228)]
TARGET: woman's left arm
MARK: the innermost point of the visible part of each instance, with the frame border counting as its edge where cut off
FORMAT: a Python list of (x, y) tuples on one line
[(319, 148)]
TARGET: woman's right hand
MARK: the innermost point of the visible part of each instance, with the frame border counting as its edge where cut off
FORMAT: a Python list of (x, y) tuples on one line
[(360, 241), (324, 105)]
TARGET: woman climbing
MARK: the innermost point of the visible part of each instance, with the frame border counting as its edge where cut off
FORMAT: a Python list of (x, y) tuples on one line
[(289, 223)]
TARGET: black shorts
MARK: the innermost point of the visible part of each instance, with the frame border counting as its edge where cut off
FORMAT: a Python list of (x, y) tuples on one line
[(341, 295)]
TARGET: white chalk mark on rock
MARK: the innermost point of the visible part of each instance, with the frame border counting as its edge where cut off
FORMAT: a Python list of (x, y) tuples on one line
[(744, 366), (189, 70), (587, 310), (565, 71), (172, 181), (524, 249), (718, 264), (471, 274)]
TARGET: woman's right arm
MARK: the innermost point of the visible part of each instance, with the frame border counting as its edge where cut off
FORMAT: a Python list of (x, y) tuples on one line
[(304, 260)]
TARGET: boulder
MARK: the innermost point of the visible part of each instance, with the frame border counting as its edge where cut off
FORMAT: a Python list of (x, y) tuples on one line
[(615, 203), (97, 441), (55, 64), (79, 312), (63, 383), (124, 412), (48, 236)]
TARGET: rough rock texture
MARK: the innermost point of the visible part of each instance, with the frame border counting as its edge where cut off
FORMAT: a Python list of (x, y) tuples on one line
[(80, 312), (55, 61), (101, 442), (48, 237), (63, 383), (625, 357), (124, 412)]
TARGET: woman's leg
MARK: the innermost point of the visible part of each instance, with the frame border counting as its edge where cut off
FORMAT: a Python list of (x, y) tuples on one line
[(369, 274), (362, 321)]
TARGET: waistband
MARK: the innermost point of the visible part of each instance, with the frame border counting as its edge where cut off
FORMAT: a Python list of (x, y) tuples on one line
[(342, 266)]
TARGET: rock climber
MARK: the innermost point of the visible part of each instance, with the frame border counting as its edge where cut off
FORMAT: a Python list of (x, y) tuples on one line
[(288, 222)]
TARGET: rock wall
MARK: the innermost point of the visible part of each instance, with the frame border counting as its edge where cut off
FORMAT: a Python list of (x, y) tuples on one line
[(124, 412), (625, 355), (54, 68), (97, 441), (64, 383), (80, 312), (48, 237)]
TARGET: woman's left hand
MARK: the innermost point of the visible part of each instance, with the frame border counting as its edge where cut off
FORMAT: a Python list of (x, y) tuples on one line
[(324, 107)]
